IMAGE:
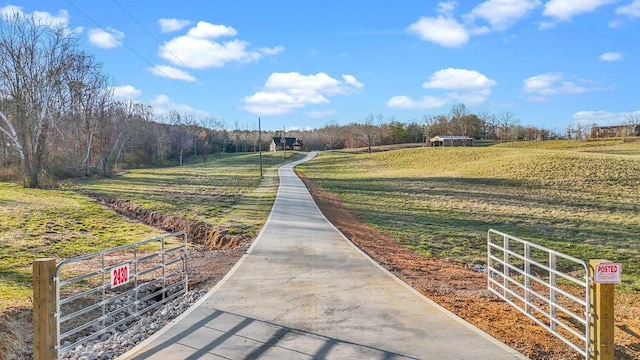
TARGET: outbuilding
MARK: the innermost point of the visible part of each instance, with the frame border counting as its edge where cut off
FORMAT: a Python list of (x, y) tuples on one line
[(447, 140)]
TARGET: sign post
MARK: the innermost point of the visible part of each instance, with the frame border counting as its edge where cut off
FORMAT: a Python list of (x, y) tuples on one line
[(604, 274), (45, 334)]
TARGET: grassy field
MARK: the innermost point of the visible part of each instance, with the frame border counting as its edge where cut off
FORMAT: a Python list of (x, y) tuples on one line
[(575, 197), (62, 223)]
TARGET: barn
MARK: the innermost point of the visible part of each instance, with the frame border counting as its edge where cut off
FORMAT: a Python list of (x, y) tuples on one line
[(447, 140)]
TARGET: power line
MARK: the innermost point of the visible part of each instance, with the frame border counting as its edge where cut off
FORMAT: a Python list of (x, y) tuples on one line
[(154, 37), (132, 50)]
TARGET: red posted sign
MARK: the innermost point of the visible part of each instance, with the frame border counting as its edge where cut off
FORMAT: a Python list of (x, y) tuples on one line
[(119, 275), (607, 273)]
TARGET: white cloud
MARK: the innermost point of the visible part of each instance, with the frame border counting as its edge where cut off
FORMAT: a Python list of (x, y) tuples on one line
[(11, 10), (319, 114), (602, 118), (171, 25), (285, 92), (564, 10), (446, 31), (631, 10), (43, 17), (205, 30), (198, 49), (272, 103), (105, 39), (611, 56), (425, 102), (127, 92), (442, 30), (445, 8), (40, 17), (162, 104), (458, 79), (467, 86), (501, 14), (541, 87), (271, 51), (171, 73), (480, 30), (351, 80)]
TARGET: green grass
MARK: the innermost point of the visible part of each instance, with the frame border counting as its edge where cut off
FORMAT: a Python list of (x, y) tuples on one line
[(226, 190), (220, 191), (441, 201), (52, 223)]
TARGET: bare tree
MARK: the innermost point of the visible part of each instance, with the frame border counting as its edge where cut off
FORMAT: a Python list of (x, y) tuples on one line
[(118, 124), (458, 118), (571, 130), (35, 58), (5, 149), (179, 134), (215, 140), (507, 122), (86, 89), (331, 135), (487, 125), (368, 132), (140, 117), (465, 124), (633, 119)]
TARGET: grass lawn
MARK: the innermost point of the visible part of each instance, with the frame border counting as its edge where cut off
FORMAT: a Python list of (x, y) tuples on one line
[(580, 198), (62, 223)]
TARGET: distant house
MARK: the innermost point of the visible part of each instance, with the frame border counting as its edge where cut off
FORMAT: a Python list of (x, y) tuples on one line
[(615, 131), (451, 141), (288, 143)]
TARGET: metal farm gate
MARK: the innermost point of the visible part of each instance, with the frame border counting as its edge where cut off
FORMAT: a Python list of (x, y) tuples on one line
[(551, 288), (106, 291)]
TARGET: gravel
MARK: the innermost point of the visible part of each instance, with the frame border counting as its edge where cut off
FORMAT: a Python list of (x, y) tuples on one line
[(112, 345)]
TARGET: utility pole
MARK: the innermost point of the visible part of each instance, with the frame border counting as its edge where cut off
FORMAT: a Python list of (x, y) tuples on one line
[(260, 145), (284, 141)]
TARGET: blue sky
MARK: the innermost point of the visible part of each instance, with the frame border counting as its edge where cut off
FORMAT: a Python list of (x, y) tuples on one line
[(301, 64)]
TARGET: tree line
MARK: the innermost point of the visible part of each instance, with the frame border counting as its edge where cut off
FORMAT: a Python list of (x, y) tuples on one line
[(60, 119), (377, 130)]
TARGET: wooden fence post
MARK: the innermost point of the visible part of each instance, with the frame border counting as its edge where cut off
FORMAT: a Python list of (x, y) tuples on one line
[(602, 320), (44, 309)]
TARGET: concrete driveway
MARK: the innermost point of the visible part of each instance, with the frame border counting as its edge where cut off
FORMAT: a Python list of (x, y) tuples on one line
[(303, 291)]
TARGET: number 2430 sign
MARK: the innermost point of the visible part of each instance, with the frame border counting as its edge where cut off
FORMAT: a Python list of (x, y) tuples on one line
[(119, 275)]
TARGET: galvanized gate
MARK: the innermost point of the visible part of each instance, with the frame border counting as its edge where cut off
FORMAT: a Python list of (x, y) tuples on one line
[(551, 288), (105, 291)]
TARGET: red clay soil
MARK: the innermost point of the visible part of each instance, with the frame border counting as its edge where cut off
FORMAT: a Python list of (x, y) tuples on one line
[(463, 291)]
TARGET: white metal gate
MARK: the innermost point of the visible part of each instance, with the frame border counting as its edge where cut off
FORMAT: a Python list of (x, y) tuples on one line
[(105, 291), (549, 287)]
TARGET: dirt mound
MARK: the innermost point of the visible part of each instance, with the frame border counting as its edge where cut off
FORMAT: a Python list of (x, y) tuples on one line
[(211, 237)]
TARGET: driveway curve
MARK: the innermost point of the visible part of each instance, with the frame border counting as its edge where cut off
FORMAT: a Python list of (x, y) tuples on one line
[(303, 291)]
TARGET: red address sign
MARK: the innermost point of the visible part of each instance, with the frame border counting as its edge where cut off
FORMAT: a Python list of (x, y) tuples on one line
[(119, 275)]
